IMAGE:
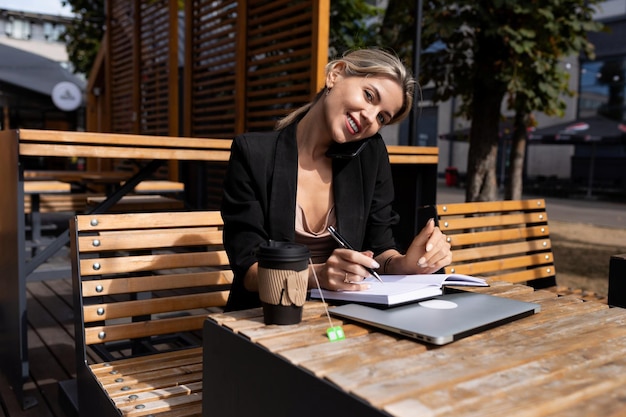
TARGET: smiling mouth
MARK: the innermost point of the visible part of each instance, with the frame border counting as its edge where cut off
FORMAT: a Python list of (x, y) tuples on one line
[(353, 126)]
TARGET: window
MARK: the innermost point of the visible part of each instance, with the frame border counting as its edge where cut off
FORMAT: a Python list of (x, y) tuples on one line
[(52, 31), (18, 28), (602, 89)]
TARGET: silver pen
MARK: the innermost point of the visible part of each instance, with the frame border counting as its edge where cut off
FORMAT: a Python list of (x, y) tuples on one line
[(344, 243)]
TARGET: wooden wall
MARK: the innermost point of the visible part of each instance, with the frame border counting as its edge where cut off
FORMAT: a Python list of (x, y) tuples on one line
[(206, 68)]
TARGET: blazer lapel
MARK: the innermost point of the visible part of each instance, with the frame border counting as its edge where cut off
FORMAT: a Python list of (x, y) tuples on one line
[(282, 214), (349, 195)]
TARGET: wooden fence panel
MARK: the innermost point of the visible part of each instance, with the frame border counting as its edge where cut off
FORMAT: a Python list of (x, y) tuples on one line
[(211, 63), (158, 68), (121, 66)]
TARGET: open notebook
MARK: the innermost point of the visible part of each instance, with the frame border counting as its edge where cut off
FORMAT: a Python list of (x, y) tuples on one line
[(400, 289)]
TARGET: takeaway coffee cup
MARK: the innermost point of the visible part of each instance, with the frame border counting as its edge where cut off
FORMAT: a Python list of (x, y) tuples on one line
[(283, 279)]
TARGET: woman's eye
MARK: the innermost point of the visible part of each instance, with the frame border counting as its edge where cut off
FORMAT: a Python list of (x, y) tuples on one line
[(368, 95), (381, 119)]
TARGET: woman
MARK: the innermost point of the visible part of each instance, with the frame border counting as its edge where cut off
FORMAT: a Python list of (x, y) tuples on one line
[(291, 184)]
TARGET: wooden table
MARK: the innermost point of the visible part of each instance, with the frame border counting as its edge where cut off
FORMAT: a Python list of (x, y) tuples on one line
[(567, 360)]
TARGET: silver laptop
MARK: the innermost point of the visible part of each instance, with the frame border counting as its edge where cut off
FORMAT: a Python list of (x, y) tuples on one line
[(442, 319)]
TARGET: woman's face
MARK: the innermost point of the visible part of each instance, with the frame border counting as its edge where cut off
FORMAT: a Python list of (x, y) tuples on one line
[(357, 107)]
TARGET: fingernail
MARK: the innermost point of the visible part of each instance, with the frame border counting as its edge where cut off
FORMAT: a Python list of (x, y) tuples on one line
[(429, 247), (375, 265), (421, 261)]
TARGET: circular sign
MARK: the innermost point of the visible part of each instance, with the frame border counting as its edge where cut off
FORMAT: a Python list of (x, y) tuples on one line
[(66, 96)]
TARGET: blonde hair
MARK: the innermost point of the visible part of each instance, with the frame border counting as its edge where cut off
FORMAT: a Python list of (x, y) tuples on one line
[(363, 63)]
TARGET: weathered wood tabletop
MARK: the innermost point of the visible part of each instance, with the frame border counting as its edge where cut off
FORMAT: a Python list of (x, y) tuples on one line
[(567, 360)]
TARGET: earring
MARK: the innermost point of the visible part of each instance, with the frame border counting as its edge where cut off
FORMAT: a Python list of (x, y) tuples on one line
[(328, 90)]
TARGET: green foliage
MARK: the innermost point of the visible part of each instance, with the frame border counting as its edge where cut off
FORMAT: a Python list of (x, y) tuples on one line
[(84, 36), (518, 43), (353, 24)]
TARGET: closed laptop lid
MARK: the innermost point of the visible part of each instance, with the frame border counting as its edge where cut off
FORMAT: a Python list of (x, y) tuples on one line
[(442, 319)]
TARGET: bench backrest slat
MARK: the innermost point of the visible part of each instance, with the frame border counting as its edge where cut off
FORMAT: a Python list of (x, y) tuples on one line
[(501, 240), (146, 275), (155, 283)]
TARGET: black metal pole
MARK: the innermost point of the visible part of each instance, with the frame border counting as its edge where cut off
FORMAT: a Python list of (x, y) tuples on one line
[(417, 52)]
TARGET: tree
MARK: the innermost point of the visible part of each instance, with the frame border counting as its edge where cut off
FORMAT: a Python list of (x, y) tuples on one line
[(83, 38), (538, 80), (352, 25), (485, 51)]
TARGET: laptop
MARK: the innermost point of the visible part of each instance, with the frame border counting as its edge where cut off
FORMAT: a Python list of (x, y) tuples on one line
[(442, 319)]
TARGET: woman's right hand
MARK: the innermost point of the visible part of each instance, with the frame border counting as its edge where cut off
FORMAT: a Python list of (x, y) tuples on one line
[(343, 270)]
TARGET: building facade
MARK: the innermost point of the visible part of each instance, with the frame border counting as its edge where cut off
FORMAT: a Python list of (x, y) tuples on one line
[(38, 89)]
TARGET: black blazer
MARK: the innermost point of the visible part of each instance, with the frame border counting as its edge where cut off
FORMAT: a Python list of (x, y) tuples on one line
[(259, 201)]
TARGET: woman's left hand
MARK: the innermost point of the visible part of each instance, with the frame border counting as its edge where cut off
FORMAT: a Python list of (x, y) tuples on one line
[(429, 251)]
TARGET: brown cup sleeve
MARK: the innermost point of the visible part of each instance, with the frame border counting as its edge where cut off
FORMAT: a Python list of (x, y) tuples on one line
[(283, 286)]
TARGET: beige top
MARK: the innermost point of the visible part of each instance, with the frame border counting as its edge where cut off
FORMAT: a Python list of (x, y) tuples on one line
[(320, 242)]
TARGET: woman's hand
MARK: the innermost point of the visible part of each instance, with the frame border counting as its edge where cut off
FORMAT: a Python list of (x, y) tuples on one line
[(343, 270), (429, 252)]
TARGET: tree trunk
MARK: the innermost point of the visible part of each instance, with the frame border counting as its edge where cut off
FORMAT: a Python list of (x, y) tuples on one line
[(483, 150), (515, 170)]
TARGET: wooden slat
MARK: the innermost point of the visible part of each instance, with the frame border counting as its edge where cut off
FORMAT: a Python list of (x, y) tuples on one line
[(156, 220), (112, 139), (500, 266), (412, 150), (143, 363), (413, 159), (160, 186), (149, 239), (144, 329), (164, 405), (47, 186), (500, 235), (501, 251), (159, 394), (476, 222), (54, 203), (101, 287), (490, 206), (139, 381), (103, 266), (103, 151), (99, 312)]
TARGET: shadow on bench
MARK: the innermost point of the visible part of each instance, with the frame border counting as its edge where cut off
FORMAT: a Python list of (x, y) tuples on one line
[(143, 286)]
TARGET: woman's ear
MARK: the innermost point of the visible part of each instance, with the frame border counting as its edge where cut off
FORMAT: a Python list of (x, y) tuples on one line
[(335, 72)]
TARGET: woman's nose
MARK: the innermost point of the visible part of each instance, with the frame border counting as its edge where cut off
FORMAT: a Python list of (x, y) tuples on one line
[(369, 113)]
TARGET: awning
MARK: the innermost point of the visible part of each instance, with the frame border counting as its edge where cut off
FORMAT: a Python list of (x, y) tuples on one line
[(33, 72), (595, 129)]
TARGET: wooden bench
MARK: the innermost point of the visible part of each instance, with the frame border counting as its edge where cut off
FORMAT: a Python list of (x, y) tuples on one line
[(58, 203), (143, 285), (502, 240)]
